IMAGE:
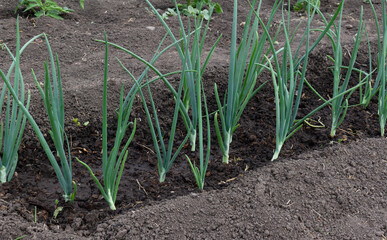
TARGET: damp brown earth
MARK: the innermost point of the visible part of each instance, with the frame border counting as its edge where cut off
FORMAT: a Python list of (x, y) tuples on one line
[(319, 188)]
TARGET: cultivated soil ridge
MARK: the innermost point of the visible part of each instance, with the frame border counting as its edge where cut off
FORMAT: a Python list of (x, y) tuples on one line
[(335, 193)]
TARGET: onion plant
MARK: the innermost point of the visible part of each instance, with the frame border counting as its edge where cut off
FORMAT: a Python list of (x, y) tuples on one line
[(114, 163), (340, 105), (190, 54), (14, 119), (200, 172), (164, 153), (289, 74), (243, 74), (52, 96), (371, 88), (339, 101), (163, 148), (286, 79), (382, 73)]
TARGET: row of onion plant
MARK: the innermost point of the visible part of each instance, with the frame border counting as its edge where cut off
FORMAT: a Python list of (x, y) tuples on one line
[(288, 79), (287, 66)]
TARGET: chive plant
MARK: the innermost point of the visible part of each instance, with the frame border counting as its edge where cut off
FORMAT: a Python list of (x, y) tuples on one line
[(14, 119), (287, 77), (381, 75), (190, 54), (243, 74), (52, 96)]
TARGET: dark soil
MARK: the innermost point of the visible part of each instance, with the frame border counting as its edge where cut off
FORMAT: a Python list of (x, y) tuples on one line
[(319, 188)]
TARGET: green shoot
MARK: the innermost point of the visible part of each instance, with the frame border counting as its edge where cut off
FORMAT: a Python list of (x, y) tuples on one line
[(113, 165), (339, 101), (20, 237), (382, 73), (164, 154)]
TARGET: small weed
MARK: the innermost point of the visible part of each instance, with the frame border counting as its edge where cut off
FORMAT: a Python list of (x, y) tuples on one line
[(302, 5), (194, 8), (44, 8), (58, 209)]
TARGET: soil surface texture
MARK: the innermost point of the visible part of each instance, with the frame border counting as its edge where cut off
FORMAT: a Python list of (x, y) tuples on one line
[(319, 188)]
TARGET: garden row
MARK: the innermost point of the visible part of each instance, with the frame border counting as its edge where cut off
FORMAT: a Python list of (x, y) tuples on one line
[(256, 52)]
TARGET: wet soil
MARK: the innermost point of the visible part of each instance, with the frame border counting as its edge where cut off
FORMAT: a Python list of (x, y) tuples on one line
[(319, 188)]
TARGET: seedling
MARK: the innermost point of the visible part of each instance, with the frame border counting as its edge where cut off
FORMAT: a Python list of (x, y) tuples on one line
[(58, 209), (78, 123), (75, 120), (20, 237)]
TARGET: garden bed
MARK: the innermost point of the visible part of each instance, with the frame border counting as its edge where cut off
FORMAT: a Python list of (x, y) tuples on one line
[(319, 188)]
